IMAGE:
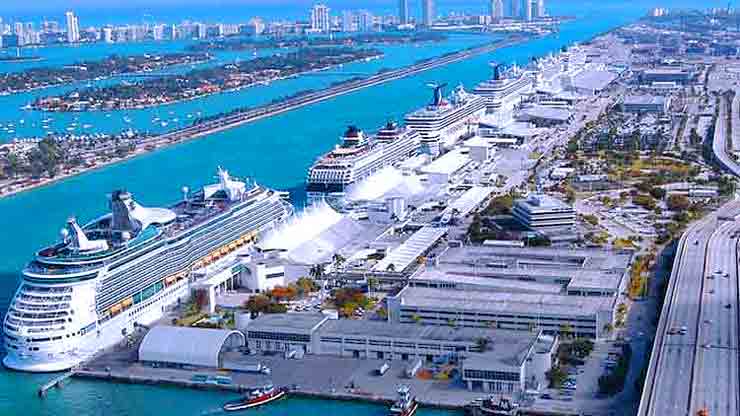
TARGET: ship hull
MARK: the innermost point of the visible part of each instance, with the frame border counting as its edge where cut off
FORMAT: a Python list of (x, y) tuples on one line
[(58, 321), (62, 357), (243, 405)]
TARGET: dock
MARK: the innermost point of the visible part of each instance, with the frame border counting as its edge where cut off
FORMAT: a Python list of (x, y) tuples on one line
[(54, 382)]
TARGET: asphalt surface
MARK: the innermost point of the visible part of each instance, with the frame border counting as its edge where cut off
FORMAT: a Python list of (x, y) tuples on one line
[(699, 368)]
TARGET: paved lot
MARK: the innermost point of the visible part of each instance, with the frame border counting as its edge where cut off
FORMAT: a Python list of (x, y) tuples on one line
[(311, 374)]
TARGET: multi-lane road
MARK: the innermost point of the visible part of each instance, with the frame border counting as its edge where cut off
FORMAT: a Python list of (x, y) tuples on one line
[(694, 364)]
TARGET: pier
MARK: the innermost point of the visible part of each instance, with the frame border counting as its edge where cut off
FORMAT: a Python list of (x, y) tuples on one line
[(54, 382)]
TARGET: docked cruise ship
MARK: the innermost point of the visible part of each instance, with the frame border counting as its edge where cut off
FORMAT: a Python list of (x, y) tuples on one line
[(504, 92), (91, 289), (444, 121), (357, 157)]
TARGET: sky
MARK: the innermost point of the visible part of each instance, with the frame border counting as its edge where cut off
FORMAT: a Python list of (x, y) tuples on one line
[(171, 11)]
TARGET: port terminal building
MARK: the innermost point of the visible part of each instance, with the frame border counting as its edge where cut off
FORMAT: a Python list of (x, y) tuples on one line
[(582, 316), (492, 360), (540, 210), (571, 272)]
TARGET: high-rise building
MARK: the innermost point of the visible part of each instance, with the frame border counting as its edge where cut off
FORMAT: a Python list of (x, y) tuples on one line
[(427, 12), (201, 30), (49, 26), (158, 32), (255, 26), (348, 21), (73, 28), (107, 34), (403, 12), (497, 9), (527, 10), (540, 8), (516, 8), (365, 21), (320, 21)]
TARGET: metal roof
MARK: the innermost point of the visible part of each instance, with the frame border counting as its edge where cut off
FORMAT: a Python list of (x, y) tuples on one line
[(471, 199), (411, 249), (186, 345)]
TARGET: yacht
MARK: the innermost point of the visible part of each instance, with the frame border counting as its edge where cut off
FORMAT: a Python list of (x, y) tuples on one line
[(89, 290), (357, 157), (444, 121)]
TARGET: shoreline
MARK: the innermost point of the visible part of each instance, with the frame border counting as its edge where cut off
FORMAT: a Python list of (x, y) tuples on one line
[(101, 78), (399, 73), (225, 91), (239, 388)]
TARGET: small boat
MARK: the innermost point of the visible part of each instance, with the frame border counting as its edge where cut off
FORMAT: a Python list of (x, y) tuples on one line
[(406, 405), (256, 397), (492, 406), (163, 124), (86, 126), (126, 119)]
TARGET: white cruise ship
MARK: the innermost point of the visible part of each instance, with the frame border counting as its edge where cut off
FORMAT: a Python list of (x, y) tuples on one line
[(358, 157), (504, 92), (444, 121), (89, 290)]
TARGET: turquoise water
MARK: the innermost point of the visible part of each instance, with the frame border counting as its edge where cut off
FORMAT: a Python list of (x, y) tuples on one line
[(275, 151)]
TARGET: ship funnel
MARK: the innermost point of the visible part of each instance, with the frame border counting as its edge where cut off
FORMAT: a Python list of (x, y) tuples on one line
[(438, 92), (121, 204), (496, 71)]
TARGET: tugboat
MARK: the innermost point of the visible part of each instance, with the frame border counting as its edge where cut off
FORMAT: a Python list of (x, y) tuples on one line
[(492, 406), (256, 397), (406, 404)]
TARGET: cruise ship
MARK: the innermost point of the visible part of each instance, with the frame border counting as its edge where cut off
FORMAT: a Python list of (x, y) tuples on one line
[(357, 157), (504, 92), (93, 287), (444, 121)]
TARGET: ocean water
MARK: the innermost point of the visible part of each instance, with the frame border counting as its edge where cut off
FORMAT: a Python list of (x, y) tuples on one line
[(275, 151)]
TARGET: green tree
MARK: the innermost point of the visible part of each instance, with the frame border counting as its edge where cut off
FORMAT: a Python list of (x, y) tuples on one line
[(566, 330)]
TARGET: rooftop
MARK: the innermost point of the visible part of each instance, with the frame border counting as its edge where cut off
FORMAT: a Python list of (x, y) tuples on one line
[(644, 99), (407, 253), (471, 199), (594, 79), (542, 202), (469, 278), (548, 113), (297, 321), (505, 346), (449, 163), (508, 303)]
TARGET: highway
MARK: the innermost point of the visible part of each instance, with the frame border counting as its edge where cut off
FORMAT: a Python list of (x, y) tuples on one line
[(719, 144), (698, 368)]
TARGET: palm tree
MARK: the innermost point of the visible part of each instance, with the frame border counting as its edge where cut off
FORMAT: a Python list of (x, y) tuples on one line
[(566, 330)]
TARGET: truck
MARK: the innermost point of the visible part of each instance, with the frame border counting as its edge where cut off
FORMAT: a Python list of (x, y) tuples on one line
[(250, 368)]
